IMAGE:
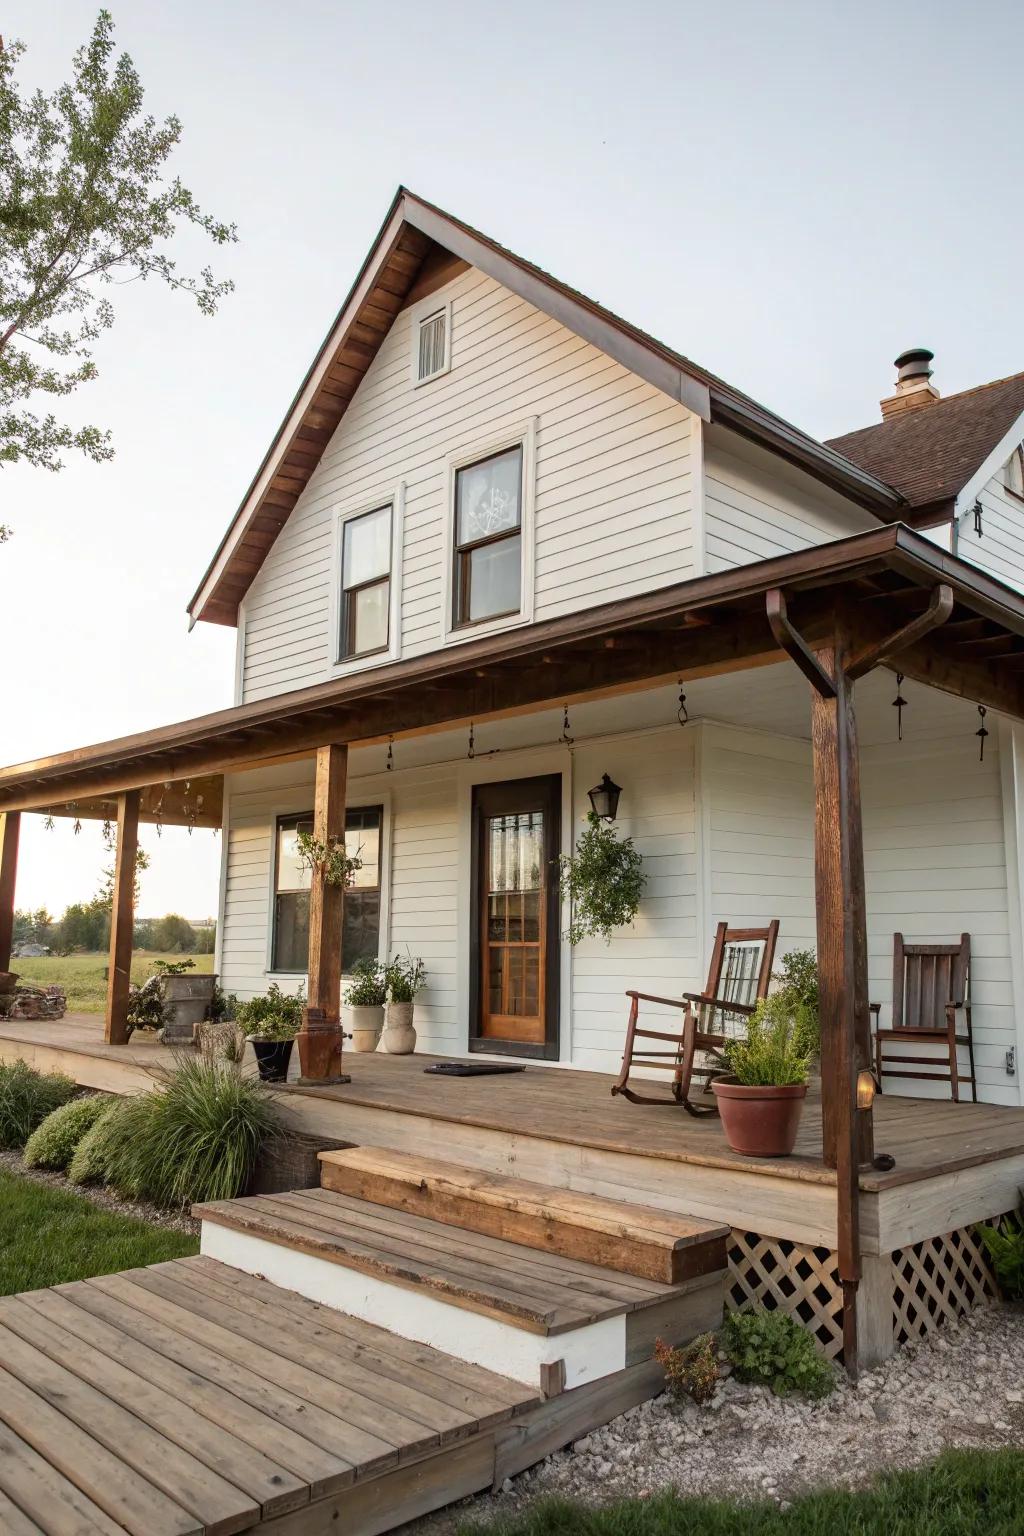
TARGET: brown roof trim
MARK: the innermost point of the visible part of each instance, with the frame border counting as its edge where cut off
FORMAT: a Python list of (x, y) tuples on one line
[(265, 507), (297, 721)]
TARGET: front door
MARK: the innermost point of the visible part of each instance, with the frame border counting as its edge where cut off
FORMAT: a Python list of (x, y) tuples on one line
[(514, 991)]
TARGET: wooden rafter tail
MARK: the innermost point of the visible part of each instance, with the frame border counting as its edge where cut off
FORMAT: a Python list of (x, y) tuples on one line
[(938, 611), (794, 645)]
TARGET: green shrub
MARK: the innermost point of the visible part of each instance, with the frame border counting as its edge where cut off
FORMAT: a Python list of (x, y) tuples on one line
[(368, 987), (773, 1349), (53, 1143), (1006, 1250), (196, 1138), (89, 1162), (26, 1098)]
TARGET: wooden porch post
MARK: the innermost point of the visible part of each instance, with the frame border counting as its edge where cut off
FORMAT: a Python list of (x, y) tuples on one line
[(122, 917), (10, 829), (320, 1037)]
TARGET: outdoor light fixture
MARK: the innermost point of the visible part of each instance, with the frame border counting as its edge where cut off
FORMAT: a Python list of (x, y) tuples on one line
[(866, 1089), (604, 798)]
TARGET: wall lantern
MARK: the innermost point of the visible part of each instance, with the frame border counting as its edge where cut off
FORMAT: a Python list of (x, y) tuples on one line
[(604, 798), (866, 1088)]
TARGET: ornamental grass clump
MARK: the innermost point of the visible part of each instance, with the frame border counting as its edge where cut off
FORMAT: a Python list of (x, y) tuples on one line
[(26, 1098), (88, 1164), (53, 1143)]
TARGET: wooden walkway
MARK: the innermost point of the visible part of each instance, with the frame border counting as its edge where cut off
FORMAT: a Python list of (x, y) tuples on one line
[(188, 1397)]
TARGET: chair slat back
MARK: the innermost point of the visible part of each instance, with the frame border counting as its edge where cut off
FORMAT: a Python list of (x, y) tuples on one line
[(925, 977), (740, 972)]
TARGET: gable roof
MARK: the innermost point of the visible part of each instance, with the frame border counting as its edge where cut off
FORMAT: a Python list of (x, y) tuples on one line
[(930, 454), (406, 258)]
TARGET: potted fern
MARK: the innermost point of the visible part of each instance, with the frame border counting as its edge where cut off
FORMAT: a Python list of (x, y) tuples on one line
[(761, 1097), (271, 1023), (603, 880), (365, 997)]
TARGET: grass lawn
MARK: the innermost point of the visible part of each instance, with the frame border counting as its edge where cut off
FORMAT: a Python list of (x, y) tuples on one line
[(48, 1237), (969, 1493), (81, 976)]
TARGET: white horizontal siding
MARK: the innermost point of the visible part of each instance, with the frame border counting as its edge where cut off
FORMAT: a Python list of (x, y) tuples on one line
[(756, 506), (612, 483), (424, 897), (1000, 549)]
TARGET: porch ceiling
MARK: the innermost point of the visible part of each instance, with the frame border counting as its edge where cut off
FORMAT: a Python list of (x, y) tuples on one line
[(714, 624)]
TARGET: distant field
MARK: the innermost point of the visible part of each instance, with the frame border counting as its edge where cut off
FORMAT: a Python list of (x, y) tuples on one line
[(81, 976)]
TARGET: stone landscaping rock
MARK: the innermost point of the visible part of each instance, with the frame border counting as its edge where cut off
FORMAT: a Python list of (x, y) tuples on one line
[(953, 1390)]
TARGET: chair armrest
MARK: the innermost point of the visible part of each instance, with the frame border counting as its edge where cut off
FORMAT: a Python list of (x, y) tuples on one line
[(875, 1008), (649, 997), (719, 1002)]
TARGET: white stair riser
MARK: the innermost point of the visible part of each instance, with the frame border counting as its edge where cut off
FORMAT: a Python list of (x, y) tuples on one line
[(591, 1352)]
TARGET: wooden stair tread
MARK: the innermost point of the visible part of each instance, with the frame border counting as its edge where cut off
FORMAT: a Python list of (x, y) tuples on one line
[(634, 1239), (542, 1293)]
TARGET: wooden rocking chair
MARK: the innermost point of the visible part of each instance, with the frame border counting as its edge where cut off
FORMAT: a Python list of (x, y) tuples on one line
[(738, 977), (931, 984)]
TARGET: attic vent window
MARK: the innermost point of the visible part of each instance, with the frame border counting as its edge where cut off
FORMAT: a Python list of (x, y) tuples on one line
[(433, 344)]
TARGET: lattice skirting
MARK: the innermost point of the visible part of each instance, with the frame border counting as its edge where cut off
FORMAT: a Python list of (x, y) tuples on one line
[(938, 1279), (933, 1281), (772, 1272)]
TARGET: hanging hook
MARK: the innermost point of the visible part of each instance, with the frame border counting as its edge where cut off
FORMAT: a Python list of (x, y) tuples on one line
[(49, 822), (981, 732), (565, 738), (899, 704), (472, 743), (389, 765), (682, 713)]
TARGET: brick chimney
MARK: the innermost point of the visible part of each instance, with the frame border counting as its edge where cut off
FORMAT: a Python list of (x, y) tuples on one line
[(914, 388)]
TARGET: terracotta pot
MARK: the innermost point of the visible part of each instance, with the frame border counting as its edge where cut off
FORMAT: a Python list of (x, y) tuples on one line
[(366, 1021), (760, 1122), (399, 1034)]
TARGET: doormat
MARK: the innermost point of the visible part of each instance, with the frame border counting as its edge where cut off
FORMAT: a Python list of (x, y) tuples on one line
[(470, 1068)]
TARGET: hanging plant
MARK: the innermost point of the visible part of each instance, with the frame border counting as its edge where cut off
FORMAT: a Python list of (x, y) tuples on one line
[(603, 880), (328, 860)]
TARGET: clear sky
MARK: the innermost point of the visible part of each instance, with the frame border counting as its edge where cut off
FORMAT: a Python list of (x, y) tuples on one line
[(789, 193)]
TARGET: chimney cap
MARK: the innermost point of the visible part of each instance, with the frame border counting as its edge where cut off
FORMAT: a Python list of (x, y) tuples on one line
[(908, 363)]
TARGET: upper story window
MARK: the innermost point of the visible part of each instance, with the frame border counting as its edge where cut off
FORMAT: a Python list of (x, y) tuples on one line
[(361, 921), (488, 538), (432, 337), (365, 584)]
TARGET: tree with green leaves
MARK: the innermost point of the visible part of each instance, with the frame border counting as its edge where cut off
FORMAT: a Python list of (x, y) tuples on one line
[(85, 202)]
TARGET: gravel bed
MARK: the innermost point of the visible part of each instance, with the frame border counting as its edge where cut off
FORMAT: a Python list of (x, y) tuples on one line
[(963, 1387), (106, 1199)]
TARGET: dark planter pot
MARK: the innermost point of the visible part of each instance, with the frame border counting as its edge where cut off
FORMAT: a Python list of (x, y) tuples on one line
[(272, 1058), (759, 1122)]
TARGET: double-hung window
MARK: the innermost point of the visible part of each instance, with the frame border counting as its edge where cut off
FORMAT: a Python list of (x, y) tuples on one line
[(361, 925), (488, 549), (365, 584)]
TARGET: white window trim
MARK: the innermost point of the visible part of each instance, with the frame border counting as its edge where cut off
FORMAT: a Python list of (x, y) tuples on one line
[(296, 803), (393, 496), (426, 309), (524, 437)]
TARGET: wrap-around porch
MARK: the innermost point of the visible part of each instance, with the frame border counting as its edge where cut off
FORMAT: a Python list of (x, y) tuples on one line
[(836, 613)]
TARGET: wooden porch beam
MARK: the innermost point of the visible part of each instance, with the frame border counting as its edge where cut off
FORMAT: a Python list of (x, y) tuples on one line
[(794, 644), (122, 917), (10, 831), (320, 1036), (872, 655)]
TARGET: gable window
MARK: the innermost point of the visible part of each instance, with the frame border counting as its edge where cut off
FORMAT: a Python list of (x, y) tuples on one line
[(488, 538), (361, 924), (432, 332), (365, 584)]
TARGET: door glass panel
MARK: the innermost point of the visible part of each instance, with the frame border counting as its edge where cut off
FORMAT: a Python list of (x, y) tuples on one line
[(497, 957), (531, 917)]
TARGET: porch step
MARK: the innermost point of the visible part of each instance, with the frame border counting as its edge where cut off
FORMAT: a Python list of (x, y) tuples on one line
[(632, 1239), (538, 1317)]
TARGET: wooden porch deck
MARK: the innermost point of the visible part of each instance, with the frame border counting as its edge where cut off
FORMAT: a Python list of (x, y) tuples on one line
[(927, 1137), (188, 1398)]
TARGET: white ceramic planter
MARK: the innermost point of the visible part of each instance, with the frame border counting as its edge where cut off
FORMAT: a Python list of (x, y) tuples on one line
[(367, 1023), (399, 1034)]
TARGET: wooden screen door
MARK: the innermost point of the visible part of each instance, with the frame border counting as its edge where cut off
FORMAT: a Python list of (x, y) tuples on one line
[(515, 905)]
